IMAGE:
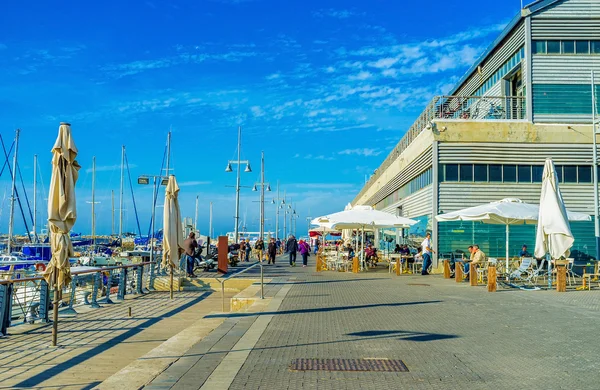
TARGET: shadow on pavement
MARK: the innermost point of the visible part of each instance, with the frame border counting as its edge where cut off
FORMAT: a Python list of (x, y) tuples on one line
[(323, 281), (318, 309), (88, 354), (410, 336)]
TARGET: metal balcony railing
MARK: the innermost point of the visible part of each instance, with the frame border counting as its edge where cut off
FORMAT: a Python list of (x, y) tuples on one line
[(465, 108)]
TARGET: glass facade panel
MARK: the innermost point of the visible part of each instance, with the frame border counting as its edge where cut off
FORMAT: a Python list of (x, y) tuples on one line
[(481, 172), (553, 47), (537, 173), (595, 47), (466, 172), (582, 47), (570, 173), (495, 172), (524, 173), (451, 172), (584, 173), (510, 173), (568, 47), (559, 172)]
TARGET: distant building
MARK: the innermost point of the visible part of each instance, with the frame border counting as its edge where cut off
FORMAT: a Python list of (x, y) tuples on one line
[(527, 98)]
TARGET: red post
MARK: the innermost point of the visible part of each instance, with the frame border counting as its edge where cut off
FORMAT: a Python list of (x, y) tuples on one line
[(223, 249)]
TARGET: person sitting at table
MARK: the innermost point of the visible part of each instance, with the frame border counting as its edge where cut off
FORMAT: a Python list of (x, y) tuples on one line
[(371, 255), (523, 252), (398, 249), (405, 251), (477, 258)]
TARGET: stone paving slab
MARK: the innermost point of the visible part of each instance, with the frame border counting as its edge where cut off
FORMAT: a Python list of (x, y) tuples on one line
[(96, 343)]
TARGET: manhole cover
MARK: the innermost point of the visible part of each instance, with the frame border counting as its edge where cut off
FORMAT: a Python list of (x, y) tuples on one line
[(379, 365), (418, 284)]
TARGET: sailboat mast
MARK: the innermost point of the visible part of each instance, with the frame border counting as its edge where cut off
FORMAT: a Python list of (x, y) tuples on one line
[(112, 198), (94, 200), (35, 237), (168, 152), (210, 218), (13, 193), (121, 194), (196, 217)]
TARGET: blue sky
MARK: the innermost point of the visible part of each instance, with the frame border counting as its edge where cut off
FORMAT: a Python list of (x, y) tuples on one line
[(325, 88)]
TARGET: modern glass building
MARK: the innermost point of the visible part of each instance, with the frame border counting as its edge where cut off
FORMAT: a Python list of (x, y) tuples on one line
[(527, 98)]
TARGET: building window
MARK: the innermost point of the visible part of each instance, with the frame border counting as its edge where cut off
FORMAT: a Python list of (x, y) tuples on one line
[(559, 172), (568, 47), (595, 46), (481, 172), (466, 172), (570, 173), (451, 173), (582, 47), (509, 173), (495, 172), (584, 174), (553, 47), (537, 172), (539, 47), (524, 173)]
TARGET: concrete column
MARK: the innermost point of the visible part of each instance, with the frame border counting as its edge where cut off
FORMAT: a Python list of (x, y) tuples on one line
[(435, 201)]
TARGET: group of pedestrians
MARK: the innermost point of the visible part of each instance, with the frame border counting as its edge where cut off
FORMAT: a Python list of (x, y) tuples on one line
[(275, 247), (292, 247)]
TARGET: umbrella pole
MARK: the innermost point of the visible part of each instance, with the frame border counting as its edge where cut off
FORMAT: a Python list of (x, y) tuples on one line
[(507, 234), (55, 311), (171, 284)]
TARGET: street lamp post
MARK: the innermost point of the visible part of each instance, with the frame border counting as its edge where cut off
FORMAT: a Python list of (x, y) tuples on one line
[(262, 185), (145, 180), (238, 162)]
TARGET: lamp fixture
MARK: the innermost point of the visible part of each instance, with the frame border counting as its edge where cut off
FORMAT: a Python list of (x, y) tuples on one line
[(254, 188), (248, 169), (228, 169), (268, 188)]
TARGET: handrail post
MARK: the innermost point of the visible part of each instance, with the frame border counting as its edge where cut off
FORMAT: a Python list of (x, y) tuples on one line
[(70, 309), (222, 295), (108, 286), (44, 301), (152, 276), (97, 281), (5, 310), (122, 283), (138, 287), (262, 286)]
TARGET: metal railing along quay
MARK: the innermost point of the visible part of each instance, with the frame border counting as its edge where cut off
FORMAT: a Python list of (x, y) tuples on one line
[(460, 108), (223, 280), (29, 299)]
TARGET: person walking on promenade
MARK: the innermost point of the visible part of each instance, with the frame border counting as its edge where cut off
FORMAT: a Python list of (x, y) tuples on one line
[(278, 246), (427, 250), (243, 250), (260, 247), (272, 251), (291, 247), (317, 246), (248, 251), (190, 245), (304, 252)]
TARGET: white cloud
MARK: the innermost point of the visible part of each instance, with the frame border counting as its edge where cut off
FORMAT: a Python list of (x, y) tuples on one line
[(3, 46), (361, 152), (108, 168), (336, 13), (193, 183), (384, 63), (257, 111), (364, 75)]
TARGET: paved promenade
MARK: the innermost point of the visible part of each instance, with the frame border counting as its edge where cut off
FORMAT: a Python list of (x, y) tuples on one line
[(448, 335)]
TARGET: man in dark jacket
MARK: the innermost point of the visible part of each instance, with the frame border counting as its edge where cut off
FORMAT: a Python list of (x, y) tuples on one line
[(272, 251), (190, 246), (291, 247)]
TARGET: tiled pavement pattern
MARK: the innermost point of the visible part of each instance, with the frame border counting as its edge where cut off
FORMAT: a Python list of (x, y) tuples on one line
[(96, 343), (450, 336)]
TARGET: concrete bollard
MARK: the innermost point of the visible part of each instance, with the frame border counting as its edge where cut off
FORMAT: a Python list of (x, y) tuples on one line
[(446, 269), (473, 274), (398, 266), (561, 278), (355, 265), (458, 272), (491, 283)]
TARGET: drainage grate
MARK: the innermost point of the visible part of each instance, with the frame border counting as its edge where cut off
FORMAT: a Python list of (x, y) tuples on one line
[(379, 365)]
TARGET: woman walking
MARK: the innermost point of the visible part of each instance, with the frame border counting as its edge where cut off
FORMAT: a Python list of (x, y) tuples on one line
[(304, 251)]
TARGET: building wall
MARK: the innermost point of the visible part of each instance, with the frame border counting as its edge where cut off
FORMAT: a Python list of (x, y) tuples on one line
[(562, 83)]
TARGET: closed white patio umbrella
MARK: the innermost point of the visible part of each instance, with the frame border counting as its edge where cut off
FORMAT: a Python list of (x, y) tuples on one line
[(554, 235), (509, 211), (173, 230), (62, 214)]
